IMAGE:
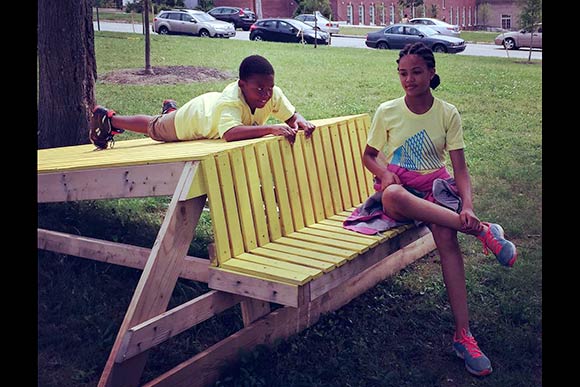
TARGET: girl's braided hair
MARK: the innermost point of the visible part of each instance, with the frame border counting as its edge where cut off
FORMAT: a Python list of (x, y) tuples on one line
[(420, 49)]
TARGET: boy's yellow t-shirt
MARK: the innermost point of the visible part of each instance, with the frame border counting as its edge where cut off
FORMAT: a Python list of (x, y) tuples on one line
[(417, 142), (211, 114)]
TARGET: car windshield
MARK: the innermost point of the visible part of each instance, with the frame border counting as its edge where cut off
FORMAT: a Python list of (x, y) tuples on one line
[(427, 31), (204, 17), (300, 25)]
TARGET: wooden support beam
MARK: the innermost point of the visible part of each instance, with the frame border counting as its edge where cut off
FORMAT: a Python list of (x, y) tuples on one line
[(194, 268), (203, 369), (253, 309), (158, 280), (160, 328)]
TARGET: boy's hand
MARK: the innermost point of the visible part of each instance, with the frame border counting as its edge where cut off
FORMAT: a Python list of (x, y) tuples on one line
[(298, 122), (286, 131)]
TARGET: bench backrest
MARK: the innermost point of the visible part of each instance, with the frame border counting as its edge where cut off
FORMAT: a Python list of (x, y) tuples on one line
[(269, 189)]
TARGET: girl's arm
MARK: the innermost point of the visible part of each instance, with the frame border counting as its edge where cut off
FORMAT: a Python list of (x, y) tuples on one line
[(469, 220), (377, 167)]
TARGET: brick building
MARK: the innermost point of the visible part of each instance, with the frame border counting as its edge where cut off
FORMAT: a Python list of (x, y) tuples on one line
[(465, 13)]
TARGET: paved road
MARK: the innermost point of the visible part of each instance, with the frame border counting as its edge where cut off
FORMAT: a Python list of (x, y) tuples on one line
[(473, 49)]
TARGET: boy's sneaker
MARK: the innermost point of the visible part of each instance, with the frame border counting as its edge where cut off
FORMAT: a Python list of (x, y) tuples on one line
[(169, 106), (466, 348), (101, 131), (493, 239)]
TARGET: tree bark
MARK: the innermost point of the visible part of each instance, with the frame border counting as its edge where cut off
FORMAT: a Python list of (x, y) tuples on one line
[(67, 72)]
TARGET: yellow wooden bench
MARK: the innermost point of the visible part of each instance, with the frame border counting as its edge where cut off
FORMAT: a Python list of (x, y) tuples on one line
[(276, 210)]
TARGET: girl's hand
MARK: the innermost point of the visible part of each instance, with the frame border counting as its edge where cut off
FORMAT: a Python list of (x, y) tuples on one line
[(469, 222), (388, 178)]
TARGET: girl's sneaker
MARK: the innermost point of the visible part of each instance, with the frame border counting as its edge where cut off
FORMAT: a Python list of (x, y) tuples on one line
[(493, 239), (101, 131), (466, 348)]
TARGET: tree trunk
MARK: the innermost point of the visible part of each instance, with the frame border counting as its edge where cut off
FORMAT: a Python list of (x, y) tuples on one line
[(67, 72)]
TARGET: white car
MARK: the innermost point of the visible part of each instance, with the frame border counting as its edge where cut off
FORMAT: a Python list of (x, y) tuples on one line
[(438, 25), (523, 38), (321, 22), (192, 22)]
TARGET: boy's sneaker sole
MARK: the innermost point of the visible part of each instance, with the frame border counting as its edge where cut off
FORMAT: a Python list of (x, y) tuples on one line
[(101, 131), (169, 106)]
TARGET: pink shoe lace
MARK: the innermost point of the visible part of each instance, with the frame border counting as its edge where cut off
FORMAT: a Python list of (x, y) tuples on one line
[(469, 342), (489, 241)]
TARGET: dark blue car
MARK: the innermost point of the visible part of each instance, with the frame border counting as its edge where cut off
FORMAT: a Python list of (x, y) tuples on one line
[(395, 37)]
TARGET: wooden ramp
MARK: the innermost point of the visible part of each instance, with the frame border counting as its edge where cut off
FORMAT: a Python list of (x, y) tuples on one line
[(277, 211)]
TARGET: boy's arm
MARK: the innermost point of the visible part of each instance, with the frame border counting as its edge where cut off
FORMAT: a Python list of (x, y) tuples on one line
[(244, 132), (298, 122)]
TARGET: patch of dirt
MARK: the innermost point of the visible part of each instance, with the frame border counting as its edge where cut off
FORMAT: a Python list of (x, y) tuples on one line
[(166, 75)]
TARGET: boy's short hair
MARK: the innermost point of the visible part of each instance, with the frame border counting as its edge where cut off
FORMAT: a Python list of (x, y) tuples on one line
[(255, 64)]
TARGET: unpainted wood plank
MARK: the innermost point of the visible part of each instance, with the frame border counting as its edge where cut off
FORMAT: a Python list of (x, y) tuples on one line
[(217, 212), (252, 310), (169, 324), (229, 201), (257, 203), (243, 199), (280, 188), (194, 268), (285, 256), (260, 289), (313, 178), (292, 183), (267, 186), (280, 264)]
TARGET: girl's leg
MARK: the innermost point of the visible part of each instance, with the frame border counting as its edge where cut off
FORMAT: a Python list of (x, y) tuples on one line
[(400, 204), (453, 274)]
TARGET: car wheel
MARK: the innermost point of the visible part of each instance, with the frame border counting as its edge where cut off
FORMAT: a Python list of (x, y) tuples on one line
[(257, 37), (204, 33), (382, 45), (163, 30), (439, 48), (509, 44)]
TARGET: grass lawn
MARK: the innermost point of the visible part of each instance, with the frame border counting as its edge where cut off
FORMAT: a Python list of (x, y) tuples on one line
[(398, 333)]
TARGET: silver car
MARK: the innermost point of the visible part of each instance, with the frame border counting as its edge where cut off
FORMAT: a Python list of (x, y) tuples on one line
[(444, 28), (526, 37), (192, 22), (320, 21)]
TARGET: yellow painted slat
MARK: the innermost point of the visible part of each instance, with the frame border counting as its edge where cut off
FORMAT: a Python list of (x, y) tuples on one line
[(340, 166), (341, 230), (285, 256), (313, 179), (256, 201), (362, 131), (307, 237), (302, 178), (341, 252), (336, 234), (323, 178), (329, 165), (265, 272), (216, 212), (229, 203), (265, 173), (243, 199), (280, 188), (282, 265), (332, 258), (349, 155), (292, 183), (359, 176), (340, 218)]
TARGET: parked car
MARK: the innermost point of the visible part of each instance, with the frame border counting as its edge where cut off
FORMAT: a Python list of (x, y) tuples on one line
[(398, 35), (286, 30), (320, 21), (191, 22), (438, 25), (522, 38), (240, 18)]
